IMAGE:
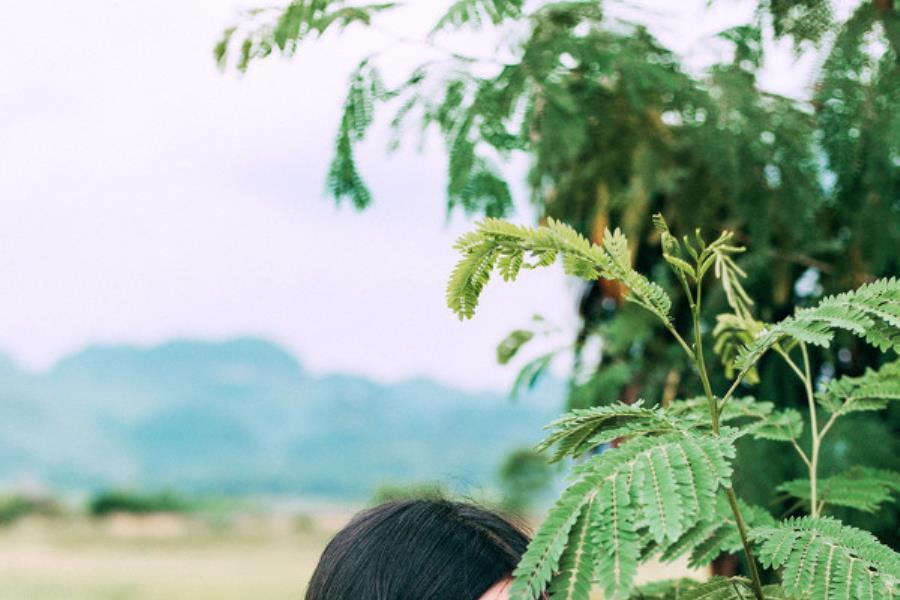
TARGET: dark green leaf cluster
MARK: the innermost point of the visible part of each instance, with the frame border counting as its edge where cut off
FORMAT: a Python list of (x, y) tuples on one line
[(344, 180), (856, 96), (263, 31), (617, 129), (472, 13), (803, 20)]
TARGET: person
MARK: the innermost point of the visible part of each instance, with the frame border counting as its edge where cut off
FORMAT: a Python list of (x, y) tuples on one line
[(427, 549)]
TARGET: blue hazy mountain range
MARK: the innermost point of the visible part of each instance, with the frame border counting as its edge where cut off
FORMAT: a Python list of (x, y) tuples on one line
[(242, 416)]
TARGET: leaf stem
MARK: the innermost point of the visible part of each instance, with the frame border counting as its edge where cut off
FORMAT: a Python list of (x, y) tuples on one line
[(680, 340), (701, 362), (828, 425), (816, 435), (790, 362), (730, 392), (801, 453), (756, 583)]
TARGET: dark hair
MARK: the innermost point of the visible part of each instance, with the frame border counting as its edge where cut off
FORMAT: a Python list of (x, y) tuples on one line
[(418, 550)]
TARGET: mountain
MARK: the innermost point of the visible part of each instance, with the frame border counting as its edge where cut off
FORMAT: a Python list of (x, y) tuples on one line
[(242, 416)]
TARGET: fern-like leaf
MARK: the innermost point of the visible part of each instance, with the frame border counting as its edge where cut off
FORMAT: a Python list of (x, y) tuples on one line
[(530, 373), (667, 589), (573, 581), (497, 243), (542, 558), (662, 482), (870, 391), (717, 588), (871, 312), (512, 343), (344, 181), (759, 419), (716, 533), (781, 426), (615, 535), (582, 430), (731, 334), (861, 488), (825, 559), (283, 30), (472, 13)]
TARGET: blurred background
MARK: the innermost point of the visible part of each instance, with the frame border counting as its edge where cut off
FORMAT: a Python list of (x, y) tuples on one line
[(225, 241)]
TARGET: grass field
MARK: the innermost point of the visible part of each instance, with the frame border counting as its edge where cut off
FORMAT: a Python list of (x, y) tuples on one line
[(157, 558), (169, 558)]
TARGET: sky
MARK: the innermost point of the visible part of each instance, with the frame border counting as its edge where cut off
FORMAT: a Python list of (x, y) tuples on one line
[(145, 196)]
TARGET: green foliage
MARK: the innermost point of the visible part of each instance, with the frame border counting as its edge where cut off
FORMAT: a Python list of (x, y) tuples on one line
[(717, 588), (759, 419), (344, 181), (512, 343), (583, 430), (860, 488), (530, 373), (524, 476), (507, 248), (120, 501), (871, 312), (807, 20), (16, 507), (715, 534), (657, 480), (608, 115), (649, 490), (617, 130), (473, 13), (262, 31), (871, 391), (825, 559)]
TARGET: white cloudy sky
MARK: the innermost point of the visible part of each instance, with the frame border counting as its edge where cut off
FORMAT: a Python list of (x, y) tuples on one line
[(145, 196)]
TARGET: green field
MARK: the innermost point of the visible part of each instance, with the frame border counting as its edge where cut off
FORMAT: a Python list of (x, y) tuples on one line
[(173, 558)]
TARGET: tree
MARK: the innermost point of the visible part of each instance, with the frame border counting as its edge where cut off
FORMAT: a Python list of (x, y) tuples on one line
[(616, 129)]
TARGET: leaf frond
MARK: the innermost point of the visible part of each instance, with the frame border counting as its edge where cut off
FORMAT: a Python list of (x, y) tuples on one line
[(871, 312), (870, 391), (717, 588), (861, 488), (823, 558), (759, 419), (283, 30), (473, 13), (582, 430), (663, 484), (499, 244)]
